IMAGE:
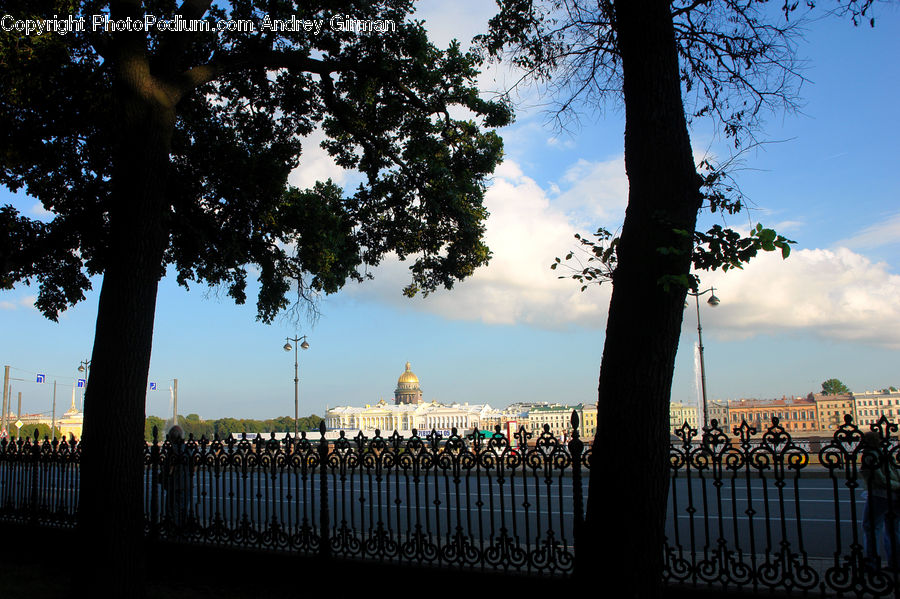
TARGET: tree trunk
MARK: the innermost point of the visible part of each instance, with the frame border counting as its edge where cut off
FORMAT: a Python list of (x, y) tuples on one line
[(111, 517), (626, 525)]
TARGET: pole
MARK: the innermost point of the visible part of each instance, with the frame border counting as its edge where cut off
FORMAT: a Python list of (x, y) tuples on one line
[(53, 417), (19, 414), (4, 418), (702, 365), (175, 403), (296, 392)]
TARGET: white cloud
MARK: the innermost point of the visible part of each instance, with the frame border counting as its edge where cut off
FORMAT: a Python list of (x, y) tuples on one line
[(884, 233), (38, 210), (26, 301), (836, 294), (597, 191), (316, 164), (525, 232)]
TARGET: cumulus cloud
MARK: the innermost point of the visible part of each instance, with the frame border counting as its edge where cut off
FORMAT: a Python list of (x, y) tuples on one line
[(525, 231), (595, 191), (837, 294), (830, 293)]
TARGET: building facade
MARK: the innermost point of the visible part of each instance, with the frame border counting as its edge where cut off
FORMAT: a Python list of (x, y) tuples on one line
[(680, 413), (794, 414), (832, 409), (870, 406)]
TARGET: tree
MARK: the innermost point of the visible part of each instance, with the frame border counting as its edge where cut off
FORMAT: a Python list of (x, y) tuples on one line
[(834, 387), (668, 63), (159, 149)]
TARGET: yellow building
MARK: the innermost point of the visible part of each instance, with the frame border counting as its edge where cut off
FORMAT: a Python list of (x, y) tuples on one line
[(832, 408), (589, 423), (680, 413)]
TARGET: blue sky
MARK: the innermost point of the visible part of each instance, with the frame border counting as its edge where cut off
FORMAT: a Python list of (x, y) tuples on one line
[(514, 332)]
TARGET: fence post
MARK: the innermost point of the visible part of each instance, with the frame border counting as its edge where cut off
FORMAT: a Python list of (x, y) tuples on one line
[(35, 476), (576, 447), (324, 522), (154, 486)]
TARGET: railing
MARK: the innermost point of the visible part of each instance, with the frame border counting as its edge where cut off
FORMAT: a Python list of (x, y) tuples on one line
[(755, 511)]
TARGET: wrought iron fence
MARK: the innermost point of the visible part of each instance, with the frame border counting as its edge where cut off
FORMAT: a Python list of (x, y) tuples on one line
[(741, 521), (746, 509)]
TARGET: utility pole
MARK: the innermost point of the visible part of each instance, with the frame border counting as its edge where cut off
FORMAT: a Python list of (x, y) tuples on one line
[(175, 403), (53, 417), (19, 415), (4, 418)]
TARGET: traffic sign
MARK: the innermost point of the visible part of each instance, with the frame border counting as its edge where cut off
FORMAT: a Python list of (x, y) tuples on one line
[(153, 386), (81, 383), (19, 424), (40, 378)]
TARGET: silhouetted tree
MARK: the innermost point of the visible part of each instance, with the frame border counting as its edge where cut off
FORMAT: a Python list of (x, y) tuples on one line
[(159, 150), (668, 62)]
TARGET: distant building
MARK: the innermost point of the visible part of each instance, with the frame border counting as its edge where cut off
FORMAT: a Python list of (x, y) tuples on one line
[(680, 413), (408, 390), (558, 417), (832, 408), (410, 412), (795, 414), (718, 411), (589, 423), (872, 405)]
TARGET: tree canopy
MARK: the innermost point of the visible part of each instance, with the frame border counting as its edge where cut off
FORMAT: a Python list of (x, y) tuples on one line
[(162, 148), (834, 387), (244, 101)]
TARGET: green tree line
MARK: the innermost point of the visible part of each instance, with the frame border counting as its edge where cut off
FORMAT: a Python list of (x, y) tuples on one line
[(192, 424)]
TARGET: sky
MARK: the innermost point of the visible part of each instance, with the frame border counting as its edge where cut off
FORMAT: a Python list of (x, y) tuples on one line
[(515, 332)]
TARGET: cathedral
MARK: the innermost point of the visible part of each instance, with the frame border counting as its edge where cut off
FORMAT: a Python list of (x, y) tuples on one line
[(408, 390)]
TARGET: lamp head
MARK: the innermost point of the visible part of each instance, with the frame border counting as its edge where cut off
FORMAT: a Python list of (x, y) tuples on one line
[(304, 345), (287, 346), (713, 300), (81, 368)]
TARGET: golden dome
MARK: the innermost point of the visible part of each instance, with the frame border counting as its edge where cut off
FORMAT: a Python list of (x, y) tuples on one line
[(408, 376)]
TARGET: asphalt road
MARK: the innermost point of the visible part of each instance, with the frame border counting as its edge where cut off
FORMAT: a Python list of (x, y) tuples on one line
[(754, 516)]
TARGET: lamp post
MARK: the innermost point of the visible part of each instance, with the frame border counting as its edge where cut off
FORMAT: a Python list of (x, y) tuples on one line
[(287, 347), (712, 301), (85, 367)]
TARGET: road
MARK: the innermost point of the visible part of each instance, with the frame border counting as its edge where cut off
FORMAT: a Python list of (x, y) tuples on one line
[(528, 506)]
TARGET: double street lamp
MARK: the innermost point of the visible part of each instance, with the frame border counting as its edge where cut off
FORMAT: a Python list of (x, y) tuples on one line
[(712, 301), (287, 347)]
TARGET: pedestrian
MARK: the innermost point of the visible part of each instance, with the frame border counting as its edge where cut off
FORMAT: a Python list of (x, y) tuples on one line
[(178, 481), (881, 515)]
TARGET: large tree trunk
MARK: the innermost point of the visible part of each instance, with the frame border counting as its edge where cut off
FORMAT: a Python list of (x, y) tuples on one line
[(111, 506), (628, 487)]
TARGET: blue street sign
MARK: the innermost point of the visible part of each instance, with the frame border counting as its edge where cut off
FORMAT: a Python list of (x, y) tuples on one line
[(81, 383), (153, 386), (40, 378)]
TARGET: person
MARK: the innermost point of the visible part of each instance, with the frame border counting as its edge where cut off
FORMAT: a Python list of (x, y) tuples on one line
[(178, 481), (881, 514)]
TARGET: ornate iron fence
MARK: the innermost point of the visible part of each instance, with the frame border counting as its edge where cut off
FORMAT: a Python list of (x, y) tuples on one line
[(760, 511), (740, 519)]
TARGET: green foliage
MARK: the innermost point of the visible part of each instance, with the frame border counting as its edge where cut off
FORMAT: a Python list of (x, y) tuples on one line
[(245, 103), (834, 387), (43, 432), (192, 424)]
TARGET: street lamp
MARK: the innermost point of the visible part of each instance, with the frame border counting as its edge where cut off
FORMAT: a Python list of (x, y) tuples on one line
[(85, 367), (287, 347), (712, 301)]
